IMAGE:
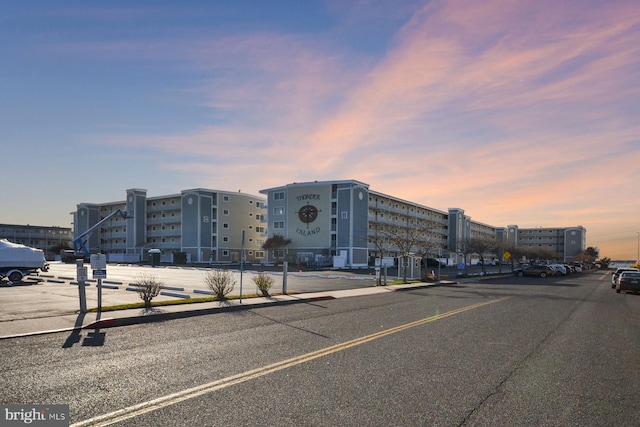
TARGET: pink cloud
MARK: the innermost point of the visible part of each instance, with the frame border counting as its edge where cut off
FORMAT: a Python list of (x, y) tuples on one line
[(518, 112)]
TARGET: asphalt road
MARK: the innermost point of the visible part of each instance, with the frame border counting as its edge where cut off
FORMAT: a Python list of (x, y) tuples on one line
[(512, 351)]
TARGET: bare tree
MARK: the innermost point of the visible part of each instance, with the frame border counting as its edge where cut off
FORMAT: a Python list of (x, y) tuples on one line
[(220, 282), (427, 243), (404, 239), (263, 282), (483, 246), (464, 249), (381, 238), (148, 287), (515, 254)]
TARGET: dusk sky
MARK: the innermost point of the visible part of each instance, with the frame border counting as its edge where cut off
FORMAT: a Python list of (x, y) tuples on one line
[(517, 111)]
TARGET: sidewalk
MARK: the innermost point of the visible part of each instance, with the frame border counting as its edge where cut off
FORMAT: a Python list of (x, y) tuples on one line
[(70, 322)]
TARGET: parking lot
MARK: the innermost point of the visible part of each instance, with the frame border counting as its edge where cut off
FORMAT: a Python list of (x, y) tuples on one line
[(56, 291)]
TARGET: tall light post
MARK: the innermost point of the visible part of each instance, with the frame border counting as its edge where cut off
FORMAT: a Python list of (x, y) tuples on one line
[(638, 258)]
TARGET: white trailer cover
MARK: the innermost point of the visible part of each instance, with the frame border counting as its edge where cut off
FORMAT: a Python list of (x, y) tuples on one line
[(20, 256)]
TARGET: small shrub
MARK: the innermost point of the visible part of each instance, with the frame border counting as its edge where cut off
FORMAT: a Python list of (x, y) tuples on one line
[(148, 287), (264, 282), (220, 282)]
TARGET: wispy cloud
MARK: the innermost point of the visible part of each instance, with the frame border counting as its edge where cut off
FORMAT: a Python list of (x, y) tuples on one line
[(517, 111)]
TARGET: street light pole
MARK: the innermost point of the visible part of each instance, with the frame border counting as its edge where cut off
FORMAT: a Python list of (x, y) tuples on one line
[(638, 258)]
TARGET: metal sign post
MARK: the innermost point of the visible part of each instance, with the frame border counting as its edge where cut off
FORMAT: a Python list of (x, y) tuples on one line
[(81, 275), (99, 267), (285, 267)]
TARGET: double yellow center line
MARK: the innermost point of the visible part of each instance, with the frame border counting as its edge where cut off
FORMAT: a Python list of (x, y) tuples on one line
[(172, 399)]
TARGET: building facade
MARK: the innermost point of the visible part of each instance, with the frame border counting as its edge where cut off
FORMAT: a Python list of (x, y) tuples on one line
[(565, 242), (347, 221), (322, 219), (49, 239), (339, 223), (207, 226)]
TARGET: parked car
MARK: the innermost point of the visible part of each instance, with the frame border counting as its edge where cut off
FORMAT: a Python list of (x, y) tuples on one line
[(616, 274), (628, 281), (535, 270), (561, 269)]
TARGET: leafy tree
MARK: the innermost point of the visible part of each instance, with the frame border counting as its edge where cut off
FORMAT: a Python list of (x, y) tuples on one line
[(592, 252), (275, 243)]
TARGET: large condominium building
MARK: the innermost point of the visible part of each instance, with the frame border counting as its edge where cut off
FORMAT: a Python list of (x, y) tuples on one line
[(564, 242), (348, 220), (340, 222), (206, 225)]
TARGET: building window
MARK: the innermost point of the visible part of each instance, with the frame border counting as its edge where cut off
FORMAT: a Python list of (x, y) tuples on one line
[(344, 215), (225, 198), (278, 224), (225, 212), (225, 239), (225, 225), (278, 210), (225, 253), (278, 196)]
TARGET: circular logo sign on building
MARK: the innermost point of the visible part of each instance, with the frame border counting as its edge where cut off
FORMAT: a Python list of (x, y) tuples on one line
[(308, 214)]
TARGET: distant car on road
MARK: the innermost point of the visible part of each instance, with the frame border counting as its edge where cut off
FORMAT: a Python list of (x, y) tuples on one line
[(535, 270), (616, 274), (628, 281)]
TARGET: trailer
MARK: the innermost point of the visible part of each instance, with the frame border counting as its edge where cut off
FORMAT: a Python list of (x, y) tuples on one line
[(17, 261)]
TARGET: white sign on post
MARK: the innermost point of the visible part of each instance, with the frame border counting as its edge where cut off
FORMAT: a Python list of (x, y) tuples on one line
[(82, 274), (98, 261)]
